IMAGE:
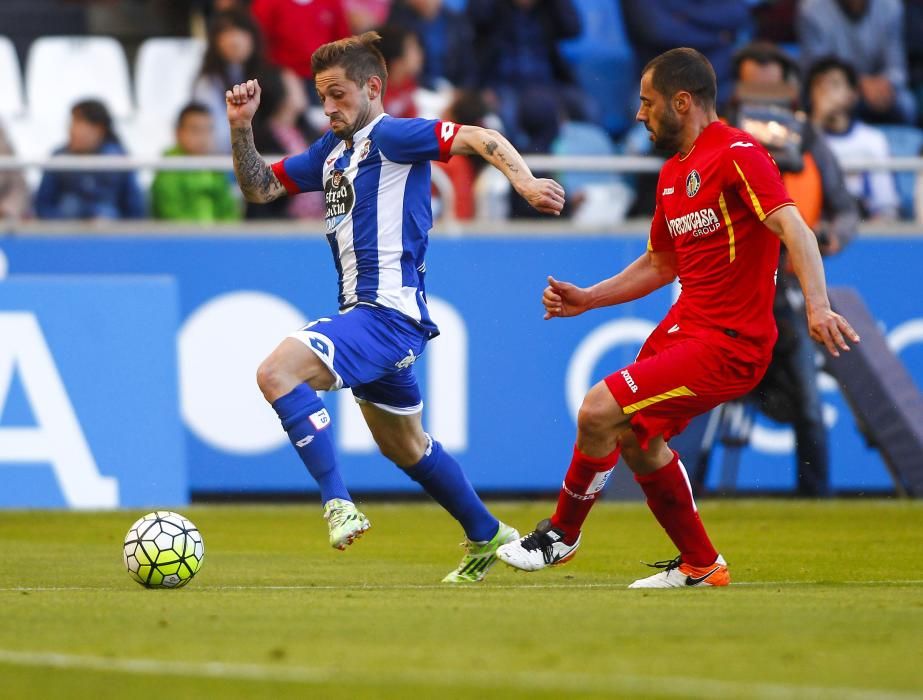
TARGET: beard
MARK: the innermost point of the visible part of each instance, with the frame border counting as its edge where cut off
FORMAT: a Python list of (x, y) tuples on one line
[(667, 136), (346, 130)]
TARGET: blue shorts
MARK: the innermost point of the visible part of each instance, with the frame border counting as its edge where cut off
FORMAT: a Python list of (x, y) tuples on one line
[(371, 350)]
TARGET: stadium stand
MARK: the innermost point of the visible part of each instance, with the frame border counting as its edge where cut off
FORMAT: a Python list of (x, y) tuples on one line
[(605, 196), (177, 57), (12, 104), (604, 63), (904, 140), (61, 70)]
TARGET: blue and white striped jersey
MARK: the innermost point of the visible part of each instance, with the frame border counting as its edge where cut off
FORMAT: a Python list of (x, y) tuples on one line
[(378, 207)]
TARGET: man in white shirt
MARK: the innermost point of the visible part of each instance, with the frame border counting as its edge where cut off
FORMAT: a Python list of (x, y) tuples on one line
[(833, 94)]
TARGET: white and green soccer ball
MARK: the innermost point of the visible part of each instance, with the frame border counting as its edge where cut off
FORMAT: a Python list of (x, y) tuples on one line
[(163, 550)]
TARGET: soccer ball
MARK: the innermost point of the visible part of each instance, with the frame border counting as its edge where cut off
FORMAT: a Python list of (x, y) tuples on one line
[(163, 550)]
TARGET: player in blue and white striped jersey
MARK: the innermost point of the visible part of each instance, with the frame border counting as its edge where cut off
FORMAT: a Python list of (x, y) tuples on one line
[(375, 173)]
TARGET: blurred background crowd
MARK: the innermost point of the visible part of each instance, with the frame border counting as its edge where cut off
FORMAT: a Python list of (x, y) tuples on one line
[(819, 81)]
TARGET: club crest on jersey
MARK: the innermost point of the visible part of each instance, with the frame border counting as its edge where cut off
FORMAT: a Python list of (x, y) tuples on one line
[(693, 182), (366, 147), (339, 198)]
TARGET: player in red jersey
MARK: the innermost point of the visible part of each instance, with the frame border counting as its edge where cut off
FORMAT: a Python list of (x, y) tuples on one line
[(721, 212)]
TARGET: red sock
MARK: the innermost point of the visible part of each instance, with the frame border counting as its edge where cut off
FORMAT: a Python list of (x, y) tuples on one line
[(585, 479), (669, 497)]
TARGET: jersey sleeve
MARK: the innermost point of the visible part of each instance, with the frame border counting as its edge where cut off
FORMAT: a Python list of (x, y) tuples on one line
[(660, 240), (756, 177), (304, 172), (416, 140)]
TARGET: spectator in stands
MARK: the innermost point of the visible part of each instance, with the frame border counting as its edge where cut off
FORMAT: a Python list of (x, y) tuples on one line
[(868, 34), (468, 107), (519, 62), (540, 125), (203, 196), (280, 127), (774, 21), (833, 90), (293, 29), (711, 26), (365, 15), (447, 39), (404, 60), (94, 195), (15, 200), (234, 53), (913, 29), (768, 89)]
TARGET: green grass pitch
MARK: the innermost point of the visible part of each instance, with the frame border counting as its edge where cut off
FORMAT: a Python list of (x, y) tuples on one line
[(827, 602)]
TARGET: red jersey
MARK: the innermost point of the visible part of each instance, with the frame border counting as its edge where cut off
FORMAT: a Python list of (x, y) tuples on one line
[(711, 204), (293, 29)]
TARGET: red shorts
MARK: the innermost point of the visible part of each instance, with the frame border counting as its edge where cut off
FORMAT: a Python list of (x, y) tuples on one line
[(679, 375)]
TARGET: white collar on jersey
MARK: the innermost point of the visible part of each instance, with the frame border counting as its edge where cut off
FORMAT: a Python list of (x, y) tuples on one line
[(367, 129)]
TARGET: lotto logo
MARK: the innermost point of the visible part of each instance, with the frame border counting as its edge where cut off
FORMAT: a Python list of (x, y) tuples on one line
[(320, 420), (448, 128)]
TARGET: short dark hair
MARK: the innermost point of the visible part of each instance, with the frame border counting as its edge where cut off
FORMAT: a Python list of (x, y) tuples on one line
[(357, 55), (191, 108), (393, 40), (687, 70), (766, 53), (95, 112), (827, 64)]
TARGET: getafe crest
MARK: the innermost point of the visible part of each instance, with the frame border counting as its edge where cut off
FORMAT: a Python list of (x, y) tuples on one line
[(339, 198), (693, 181)]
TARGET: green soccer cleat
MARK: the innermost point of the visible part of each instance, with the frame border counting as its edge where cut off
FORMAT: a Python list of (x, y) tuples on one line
[(480, 556), (345, 522)]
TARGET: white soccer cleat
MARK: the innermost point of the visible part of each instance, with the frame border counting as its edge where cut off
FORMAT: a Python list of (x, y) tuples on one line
[(542, 547), (676, 574), (345, 522)]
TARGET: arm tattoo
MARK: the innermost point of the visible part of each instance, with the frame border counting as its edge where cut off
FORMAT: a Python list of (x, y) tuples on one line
[(256, 179), (492, 147)]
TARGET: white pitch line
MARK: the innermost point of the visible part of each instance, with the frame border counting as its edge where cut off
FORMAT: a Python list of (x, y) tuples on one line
[(569, 683), (444, 587)]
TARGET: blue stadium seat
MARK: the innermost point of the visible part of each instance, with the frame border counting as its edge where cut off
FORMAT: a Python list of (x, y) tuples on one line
[(604, 62), (904, 140), (582, 139), (604, 197)]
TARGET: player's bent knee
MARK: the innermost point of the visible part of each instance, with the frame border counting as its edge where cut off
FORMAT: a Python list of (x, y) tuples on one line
[(403, 453), (273, 380), (599, 412), (266, 376)]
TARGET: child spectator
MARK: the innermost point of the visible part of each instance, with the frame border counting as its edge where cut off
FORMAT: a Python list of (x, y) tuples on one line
[(85, 194), (204, 196)]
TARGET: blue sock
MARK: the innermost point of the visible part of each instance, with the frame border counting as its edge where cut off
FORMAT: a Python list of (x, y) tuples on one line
[(443, 479), (307, 423)]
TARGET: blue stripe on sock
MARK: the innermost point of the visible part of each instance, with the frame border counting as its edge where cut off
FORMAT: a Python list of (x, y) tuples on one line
[(311, 438), (443, 479)]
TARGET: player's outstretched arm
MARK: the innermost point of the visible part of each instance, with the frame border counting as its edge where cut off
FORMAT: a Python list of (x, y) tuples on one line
[(649, 272), (545, 195), (826, 326), (256, 179)]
